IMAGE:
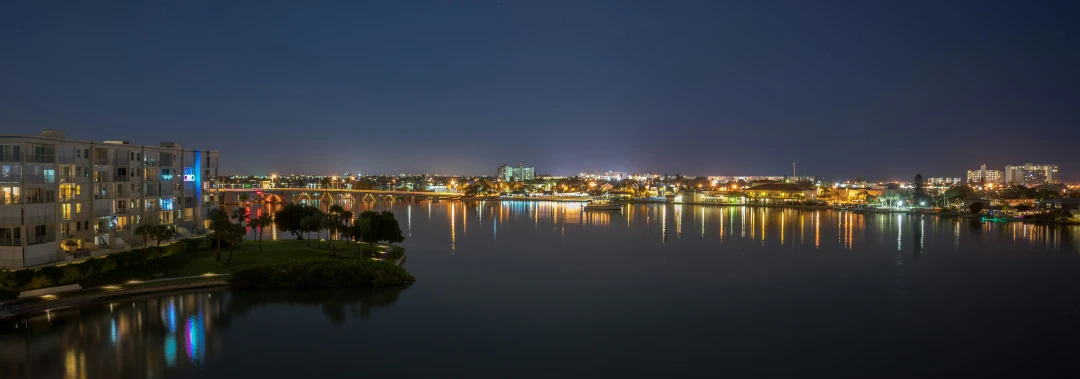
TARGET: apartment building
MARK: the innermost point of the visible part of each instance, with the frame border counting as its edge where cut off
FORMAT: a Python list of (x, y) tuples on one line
[(521, 173), (1030, 174), (984, 176), (63, 199)]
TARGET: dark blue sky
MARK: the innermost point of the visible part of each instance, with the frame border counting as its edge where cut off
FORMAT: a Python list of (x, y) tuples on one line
[(877, 89)]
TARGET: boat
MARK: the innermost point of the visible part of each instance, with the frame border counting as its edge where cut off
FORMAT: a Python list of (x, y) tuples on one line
[(602, 205)]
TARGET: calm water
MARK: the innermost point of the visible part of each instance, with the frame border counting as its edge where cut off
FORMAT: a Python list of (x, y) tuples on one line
[(544, 290)]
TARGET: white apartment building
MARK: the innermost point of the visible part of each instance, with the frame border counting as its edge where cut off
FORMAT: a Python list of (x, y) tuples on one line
[(62, 199), (982, 175), (1031, 174), (521, 173)]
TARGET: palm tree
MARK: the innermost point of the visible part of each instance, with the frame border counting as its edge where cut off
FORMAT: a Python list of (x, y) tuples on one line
[(261, 223), (241, 216), (323, 222), (337, 221), (243, 197), (361, 225), (220, 225), (236, 237), (145, 230), (163, 233), (309, 224)]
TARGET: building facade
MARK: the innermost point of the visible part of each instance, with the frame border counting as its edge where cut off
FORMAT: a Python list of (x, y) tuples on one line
[(1031, 174), (520, 173), (982, 175), (942, 182), (64, 199)]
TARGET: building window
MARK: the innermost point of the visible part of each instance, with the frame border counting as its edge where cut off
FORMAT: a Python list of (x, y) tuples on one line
[(9, 195), (10, 237)]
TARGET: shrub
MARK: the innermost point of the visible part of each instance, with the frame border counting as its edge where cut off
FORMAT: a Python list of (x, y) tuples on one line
[(322, 273), (71, 274), (25, 280)]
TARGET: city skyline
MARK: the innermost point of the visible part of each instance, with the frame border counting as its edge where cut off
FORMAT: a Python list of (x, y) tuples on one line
[(703, 88)]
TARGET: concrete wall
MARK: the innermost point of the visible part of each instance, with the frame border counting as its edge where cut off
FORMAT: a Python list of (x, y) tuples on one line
[(11, 256), (42, 253)]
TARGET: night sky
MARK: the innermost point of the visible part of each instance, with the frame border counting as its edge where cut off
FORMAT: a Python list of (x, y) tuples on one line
[(873, 89)]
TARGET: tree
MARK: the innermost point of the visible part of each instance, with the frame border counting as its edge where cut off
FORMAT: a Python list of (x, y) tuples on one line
[(360, 227), (920, 191), (310, 223), (241, 216), (976, 207), (321, 223), (336, 222), (242, 197), (290, 218), (261, 223), (163, 233), (826, 193), (236, 237), (383, 227), (220, 226), (145, 230)]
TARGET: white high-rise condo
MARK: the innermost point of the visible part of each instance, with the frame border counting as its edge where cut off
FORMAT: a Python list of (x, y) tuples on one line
[(520, 173), (984, 176), (63, 199), (1031, 174)]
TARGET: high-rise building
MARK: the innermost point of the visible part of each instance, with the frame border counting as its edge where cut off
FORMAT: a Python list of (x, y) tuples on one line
[(982, 175), (63, 199), (520, 173), (1031, 174)]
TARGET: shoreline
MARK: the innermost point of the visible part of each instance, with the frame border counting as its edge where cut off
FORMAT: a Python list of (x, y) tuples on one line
[(96, 295), (787, 206), (18, 308)]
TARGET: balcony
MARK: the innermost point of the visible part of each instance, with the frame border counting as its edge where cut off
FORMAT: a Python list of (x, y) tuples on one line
[(9, 157), (41, 158), (41, 219), (36, 240)]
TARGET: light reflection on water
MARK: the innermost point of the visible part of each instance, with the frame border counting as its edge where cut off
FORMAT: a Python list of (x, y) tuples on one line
[(786, 227), (517, 280)]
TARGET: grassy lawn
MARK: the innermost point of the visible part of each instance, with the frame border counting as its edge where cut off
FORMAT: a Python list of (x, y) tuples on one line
[(203, 261)]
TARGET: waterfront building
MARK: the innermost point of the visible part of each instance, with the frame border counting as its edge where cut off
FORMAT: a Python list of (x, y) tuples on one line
[(65, 199), (607, 175), (520, 173), (1031, 174), (778, 193), (760, 178), (942, 182), (982, 175)]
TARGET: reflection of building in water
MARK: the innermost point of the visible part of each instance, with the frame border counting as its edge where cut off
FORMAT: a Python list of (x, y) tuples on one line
[(600, 219), (142, 339)]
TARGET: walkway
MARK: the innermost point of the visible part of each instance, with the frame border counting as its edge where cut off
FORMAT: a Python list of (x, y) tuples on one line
[(90, 295)]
